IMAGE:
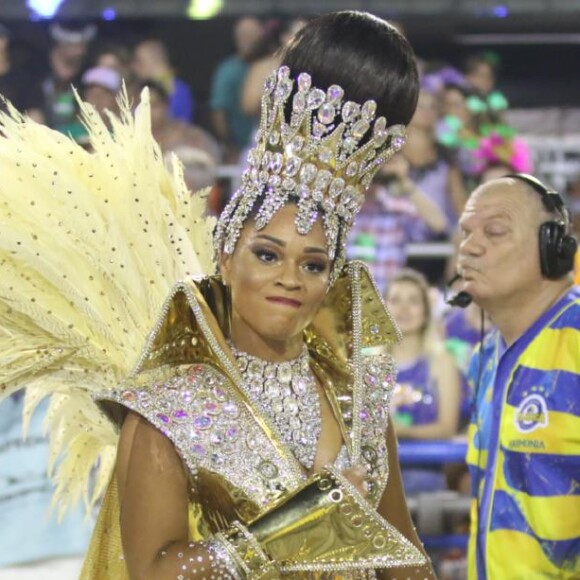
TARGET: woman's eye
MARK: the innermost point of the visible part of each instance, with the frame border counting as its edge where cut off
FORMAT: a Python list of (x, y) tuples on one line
[(315, 267), (265, 256)]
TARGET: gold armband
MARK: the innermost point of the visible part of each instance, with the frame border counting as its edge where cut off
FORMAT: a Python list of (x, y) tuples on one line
[(324, 526)]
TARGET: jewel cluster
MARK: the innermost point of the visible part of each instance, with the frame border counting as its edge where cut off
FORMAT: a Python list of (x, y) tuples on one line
[(325, 157), (286, 392), (210, 429)]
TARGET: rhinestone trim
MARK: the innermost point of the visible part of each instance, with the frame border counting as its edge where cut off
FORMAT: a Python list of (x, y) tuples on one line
[(286, 392), (225, 361), (325, 157)]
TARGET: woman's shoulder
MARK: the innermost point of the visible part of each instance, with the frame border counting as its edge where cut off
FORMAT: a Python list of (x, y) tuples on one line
[(167, 394), (169, 377)]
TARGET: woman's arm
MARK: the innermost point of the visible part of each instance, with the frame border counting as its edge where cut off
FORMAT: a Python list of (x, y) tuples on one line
[(456, 188), (154, 506), (427, 209), (393, 507), (446, 375)]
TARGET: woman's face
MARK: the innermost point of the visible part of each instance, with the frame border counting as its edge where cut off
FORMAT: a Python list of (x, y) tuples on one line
[(278, 280), (455, 104), (406, 304), (425, 116)]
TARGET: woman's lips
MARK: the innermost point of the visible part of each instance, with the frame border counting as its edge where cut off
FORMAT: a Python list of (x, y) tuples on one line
[(285, 301)]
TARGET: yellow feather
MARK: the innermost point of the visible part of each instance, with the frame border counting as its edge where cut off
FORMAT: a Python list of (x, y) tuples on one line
[(90, 245)]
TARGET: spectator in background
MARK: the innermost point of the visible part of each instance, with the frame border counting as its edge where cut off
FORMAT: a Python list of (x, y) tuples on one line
[(173, 134), (199, 168), (395, 212), (99, 88), (117, 57), (432, 171), (16, 84), (481, 73), (101, 85), (67, 57), (463, 329), (266, 58), (151, 62), (430, 164), (454, 104), (232, 127), (427, 396)]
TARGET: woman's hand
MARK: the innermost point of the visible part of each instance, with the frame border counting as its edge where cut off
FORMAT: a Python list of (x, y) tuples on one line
[(357, 476)]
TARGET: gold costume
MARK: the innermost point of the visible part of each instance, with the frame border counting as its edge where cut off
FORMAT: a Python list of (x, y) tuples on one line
[(187, 385), (92, 243)]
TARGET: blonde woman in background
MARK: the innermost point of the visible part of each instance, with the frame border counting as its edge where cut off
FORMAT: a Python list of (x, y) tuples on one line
[(427, 396)]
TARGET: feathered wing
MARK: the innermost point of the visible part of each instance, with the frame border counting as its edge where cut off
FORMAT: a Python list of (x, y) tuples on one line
[(90, 246)]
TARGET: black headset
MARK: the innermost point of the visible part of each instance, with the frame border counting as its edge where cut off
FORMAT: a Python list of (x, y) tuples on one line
[(557, 246)]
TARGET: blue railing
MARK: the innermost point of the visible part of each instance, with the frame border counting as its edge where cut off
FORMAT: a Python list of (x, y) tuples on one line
[(432, 452)]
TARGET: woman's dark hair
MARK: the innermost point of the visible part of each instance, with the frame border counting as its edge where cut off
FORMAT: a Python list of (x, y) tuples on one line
[(462, 89), (366, 56), (155, 87)]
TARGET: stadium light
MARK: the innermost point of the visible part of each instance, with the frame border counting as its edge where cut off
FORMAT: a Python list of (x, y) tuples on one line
[(203, 9), (44, 8)]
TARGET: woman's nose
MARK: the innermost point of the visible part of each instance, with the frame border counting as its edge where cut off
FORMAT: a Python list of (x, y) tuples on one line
[(290, 275)]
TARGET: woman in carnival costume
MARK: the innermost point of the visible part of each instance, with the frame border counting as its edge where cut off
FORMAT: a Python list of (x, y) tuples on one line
[(249, 438)]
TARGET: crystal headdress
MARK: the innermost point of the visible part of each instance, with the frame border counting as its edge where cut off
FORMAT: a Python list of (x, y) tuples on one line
[(325, 158)]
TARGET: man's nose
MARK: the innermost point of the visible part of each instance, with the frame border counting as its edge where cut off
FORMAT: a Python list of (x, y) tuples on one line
[(471, 245)]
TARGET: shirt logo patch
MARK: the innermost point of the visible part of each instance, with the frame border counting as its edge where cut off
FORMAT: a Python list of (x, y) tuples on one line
[(531, 414)]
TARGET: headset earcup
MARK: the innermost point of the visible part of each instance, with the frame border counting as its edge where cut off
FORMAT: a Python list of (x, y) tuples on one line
[(567, 252), (548, 247), (557, 250)]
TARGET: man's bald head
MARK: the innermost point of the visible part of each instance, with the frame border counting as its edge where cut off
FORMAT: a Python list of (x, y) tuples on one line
[(530, 201)]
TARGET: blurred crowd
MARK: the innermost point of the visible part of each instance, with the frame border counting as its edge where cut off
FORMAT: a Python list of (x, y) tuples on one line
[(458, 138)]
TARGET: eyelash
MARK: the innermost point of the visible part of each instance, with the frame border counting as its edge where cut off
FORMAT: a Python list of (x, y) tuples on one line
[(269, 257)]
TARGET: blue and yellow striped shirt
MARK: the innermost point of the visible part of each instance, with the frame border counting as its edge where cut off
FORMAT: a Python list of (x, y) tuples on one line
[(524, 451)]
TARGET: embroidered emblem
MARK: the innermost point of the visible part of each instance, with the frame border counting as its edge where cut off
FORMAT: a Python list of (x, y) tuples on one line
[(531, 414)]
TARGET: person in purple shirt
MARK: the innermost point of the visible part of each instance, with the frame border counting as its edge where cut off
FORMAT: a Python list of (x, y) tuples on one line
[(426, 398), (463, 330)]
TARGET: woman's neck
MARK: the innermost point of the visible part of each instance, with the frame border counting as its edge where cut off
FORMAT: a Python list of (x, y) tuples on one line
[(409, 349), (265, 348)]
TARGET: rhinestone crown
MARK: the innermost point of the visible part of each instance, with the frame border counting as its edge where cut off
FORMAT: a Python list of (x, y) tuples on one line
[(325, 157)]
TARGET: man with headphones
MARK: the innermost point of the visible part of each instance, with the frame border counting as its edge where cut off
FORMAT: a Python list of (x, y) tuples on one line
[(515, 260)]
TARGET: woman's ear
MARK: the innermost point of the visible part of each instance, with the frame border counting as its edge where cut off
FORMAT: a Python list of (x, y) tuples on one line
[(224, 267)]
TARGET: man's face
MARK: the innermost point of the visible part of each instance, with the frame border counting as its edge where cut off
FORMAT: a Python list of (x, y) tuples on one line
[(66, 60), (247, 33), (499, 249), (142, 64)]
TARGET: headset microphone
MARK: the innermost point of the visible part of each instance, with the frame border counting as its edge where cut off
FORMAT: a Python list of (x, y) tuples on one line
[(462, 299)]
